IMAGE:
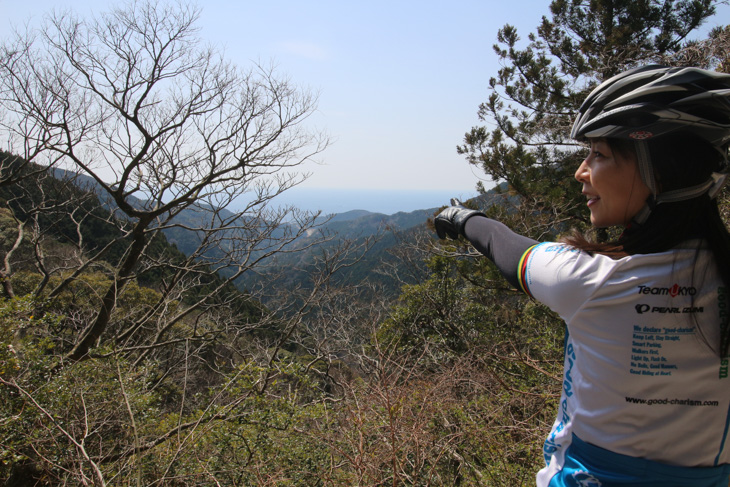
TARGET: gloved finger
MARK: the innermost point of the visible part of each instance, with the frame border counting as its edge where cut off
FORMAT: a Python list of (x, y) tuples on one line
[(443, 227)]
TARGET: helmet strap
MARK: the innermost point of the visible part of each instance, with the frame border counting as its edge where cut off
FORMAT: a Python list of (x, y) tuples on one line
[(712, 187), (645, 211), (646, 170)]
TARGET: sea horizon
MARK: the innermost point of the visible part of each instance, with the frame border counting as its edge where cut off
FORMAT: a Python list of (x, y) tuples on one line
[(385, 201)]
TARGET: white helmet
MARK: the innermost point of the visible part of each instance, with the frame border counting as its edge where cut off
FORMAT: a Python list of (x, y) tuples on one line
[(657, 100), (652, 101)]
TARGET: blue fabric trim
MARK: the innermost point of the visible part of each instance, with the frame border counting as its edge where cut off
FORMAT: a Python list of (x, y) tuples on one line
[(724, 437), (587, 465)]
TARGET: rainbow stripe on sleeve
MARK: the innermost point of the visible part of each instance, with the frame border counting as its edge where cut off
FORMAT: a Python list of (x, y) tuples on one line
[(522, 271)]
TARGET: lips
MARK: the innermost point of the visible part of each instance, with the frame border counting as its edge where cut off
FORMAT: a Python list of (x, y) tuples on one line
[(592, 199)]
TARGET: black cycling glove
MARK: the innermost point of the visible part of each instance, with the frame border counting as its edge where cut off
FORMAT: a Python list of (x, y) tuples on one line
[(450, 222)]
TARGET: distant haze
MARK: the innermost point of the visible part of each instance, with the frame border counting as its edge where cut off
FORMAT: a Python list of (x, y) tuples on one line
[(373, 200)]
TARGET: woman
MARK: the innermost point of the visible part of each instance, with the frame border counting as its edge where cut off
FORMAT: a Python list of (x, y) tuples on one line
[(646, 392)]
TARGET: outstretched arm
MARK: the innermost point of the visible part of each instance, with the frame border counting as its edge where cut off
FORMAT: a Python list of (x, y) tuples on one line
[(503, 246), (492, 238)]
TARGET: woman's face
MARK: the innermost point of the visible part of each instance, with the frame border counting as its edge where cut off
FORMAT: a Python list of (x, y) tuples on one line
[(612, 184)]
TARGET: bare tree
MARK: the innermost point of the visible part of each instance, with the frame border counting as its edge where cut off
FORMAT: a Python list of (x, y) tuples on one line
[(128, 124), (162, 125)]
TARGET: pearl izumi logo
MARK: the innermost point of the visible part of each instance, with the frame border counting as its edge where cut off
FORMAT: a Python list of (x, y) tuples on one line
[(673, 291), (645, 308), (642, 308)]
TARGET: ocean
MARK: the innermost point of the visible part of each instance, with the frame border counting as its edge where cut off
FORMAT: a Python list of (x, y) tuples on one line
[(384, 201)]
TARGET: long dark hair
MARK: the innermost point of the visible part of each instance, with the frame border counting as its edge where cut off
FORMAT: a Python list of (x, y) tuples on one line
[(680, 160)]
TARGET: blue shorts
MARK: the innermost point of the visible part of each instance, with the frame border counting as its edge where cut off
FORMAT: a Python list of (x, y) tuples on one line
[(590, 466)]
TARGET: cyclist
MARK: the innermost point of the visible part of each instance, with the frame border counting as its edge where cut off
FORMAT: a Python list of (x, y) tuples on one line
[(646, 391)]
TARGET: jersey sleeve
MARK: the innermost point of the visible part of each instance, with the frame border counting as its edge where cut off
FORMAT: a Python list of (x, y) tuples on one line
[(562, 277), (500, 244)]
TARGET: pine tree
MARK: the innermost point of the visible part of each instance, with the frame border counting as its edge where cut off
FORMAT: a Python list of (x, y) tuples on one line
[(534, 96)]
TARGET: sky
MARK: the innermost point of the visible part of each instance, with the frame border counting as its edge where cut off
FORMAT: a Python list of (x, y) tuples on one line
[(399, 81)]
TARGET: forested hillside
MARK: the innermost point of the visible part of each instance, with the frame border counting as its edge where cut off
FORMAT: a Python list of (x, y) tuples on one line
[(384, 236), (153, 333)]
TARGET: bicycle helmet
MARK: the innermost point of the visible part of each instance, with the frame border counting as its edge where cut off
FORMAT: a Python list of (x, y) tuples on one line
[(652, 101)]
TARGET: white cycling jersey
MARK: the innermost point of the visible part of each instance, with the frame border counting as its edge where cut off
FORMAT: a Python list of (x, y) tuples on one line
[(641, 377)]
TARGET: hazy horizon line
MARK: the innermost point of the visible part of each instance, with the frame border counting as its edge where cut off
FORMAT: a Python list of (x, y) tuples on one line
[(342, 200)]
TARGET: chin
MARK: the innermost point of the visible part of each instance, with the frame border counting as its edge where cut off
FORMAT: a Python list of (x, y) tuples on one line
[(602, 224), (606, 221), (599, 224)]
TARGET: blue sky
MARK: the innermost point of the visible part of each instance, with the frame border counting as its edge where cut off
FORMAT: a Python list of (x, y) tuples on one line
[(399, 81)]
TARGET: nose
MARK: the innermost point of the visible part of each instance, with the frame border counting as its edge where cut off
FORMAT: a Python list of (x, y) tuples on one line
[(582, 174)]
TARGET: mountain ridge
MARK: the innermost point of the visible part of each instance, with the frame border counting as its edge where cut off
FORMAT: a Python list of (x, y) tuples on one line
[(355, 226)]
